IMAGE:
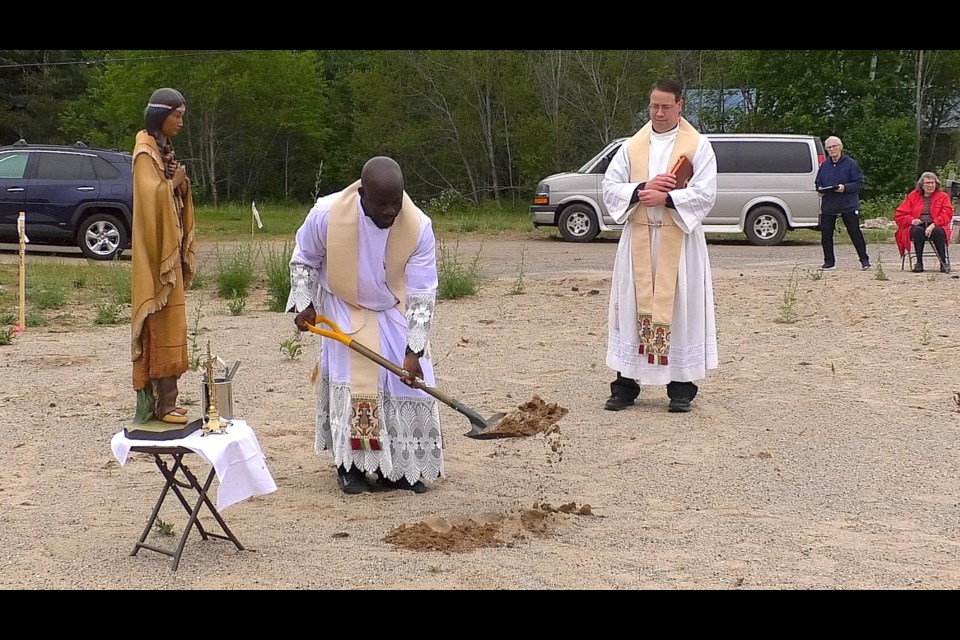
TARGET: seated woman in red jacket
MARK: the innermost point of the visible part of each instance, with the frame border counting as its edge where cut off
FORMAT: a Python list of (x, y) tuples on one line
[(925, 214)]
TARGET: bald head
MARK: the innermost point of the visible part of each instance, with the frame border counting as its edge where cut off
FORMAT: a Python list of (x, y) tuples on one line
[(381, 190)]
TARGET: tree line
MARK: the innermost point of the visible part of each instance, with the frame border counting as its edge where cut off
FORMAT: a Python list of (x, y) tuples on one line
[(478, 125)]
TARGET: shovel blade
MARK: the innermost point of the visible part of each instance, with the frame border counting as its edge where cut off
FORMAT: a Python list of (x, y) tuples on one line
[(479, 428)]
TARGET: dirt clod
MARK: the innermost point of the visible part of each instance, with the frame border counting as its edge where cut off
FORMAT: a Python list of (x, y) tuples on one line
[(530, 418)]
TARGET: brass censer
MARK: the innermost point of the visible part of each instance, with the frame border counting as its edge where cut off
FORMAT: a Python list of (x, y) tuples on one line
[(212, 423)]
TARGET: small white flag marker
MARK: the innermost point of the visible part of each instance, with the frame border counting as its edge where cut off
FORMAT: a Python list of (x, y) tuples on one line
[(256, 214)]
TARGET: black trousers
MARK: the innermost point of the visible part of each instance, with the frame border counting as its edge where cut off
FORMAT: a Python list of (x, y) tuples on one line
[(828, 226), (938, 238), (629, 389)]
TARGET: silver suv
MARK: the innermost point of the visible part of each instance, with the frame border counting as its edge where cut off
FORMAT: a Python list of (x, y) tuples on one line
[(765, 187)]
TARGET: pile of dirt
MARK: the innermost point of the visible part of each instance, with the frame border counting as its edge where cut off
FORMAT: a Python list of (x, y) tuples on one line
[(530, 418), (439, 534), (453, 539)]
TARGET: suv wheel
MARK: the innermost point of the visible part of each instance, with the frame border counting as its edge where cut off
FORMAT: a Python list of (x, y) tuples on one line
[(578, 223), (101, 237), (766, 226)]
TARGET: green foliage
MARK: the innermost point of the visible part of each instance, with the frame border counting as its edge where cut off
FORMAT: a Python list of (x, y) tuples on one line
[(6, 335), (193, 336), (145, 402), (484, 124), (880, 274), (292, 347), (8, 318), (233, 221), (519, 287), (199, 280), (236, 304), (457, 279), (947, 172), (46, 295), (883, 146), (163, 528), (881, 207), (788, 304), (34, 319), (486, 218), (118, 277), (445, 203), (107, 313), (235, 273), (277, 268)]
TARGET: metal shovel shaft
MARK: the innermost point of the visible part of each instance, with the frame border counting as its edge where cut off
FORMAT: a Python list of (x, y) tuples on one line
[(479, 424), (417, 382)]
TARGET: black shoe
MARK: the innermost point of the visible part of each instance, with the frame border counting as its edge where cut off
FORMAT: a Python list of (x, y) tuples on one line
[(681, 395), (828, 267), (917, 268), (352, 482), (402, 483), (865, 266), (944, 267), (617, 403)]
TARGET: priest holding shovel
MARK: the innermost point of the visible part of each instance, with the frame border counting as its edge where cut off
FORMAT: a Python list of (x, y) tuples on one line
[(365, 258)]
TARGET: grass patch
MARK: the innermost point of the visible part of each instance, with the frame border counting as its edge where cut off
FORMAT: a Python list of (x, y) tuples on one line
[(450, 214), (108, 313), (277, 268), (788, 305), (233, 221), (235, 273), (236, 304), (487, 219), (457, 279), (46, 295)]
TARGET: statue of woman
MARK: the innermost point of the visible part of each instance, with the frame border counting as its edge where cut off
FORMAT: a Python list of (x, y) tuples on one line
[(163, 257)]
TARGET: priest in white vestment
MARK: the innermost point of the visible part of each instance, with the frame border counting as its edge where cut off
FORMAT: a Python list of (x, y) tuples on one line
[(365, 258), (662, 323)]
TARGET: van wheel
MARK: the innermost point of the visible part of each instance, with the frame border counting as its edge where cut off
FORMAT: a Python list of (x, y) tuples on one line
[(578, 223), (101, 237), (766, 226)]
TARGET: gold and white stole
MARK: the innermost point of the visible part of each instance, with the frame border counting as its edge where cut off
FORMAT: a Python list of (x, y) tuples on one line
[(655, 295), (343, 242)]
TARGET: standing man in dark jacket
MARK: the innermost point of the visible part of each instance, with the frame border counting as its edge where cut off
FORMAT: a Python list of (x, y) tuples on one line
[(839, 182)]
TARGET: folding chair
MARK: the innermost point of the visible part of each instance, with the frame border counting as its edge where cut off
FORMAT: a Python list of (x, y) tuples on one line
[(905, 247)]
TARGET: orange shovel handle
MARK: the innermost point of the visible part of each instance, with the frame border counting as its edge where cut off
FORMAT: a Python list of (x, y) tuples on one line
[(334, 333)]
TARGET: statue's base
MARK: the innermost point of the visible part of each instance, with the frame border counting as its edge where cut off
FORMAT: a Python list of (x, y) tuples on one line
[(159, 430)]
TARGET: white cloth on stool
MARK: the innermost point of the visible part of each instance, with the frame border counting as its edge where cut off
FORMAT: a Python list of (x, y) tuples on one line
[(235, 455)]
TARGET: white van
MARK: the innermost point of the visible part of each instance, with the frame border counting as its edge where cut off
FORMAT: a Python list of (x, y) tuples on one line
[(765, 187)]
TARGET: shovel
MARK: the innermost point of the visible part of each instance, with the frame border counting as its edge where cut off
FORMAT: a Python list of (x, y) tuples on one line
[(478, 424)]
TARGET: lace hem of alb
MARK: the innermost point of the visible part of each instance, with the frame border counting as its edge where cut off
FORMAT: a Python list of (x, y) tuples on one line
[(687, 357), (409, 430), (419, 319), (303, 287)]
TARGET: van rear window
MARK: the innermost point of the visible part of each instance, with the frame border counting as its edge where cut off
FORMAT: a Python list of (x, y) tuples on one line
[(762, 157)]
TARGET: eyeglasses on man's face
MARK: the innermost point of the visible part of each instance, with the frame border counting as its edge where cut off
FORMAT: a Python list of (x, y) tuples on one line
[(833, 146), (663, 107)]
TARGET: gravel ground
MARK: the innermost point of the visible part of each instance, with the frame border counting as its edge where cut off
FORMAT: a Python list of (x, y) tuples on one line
[(822, 454)]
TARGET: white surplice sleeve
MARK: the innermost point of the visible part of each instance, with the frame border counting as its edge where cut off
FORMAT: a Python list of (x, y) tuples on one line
[(694, 203), (617, 188), (422, 284), (308, 256)]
